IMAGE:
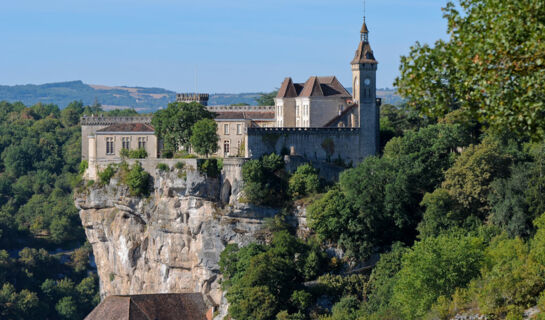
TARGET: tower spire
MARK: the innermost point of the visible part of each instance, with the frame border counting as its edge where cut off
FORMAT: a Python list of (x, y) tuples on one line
[(364, 31)]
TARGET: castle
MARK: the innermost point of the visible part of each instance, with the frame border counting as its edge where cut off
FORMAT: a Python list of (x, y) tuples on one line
[(318, 120)]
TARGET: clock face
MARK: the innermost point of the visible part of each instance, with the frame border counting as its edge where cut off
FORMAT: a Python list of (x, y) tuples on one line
[(367, 81)]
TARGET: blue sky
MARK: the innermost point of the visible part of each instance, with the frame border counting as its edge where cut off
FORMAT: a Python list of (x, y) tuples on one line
[(232, 46)]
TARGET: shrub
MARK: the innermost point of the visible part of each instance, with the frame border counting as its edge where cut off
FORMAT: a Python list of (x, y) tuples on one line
[(210, 167), (83, 166), (125, 153), (106, 175), (304, 181), (168, 154), (163, 167), (265, 181), (138, 154), (179, 165), (138, 180)]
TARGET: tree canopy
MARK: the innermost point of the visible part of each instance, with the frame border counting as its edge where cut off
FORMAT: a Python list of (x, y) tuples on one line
[(492, 66), (175, 123)]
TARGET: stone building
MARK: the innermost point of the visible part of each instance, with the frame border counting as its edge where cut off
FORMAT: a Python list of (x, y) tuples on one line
[(233, 122), (312, 104), (318, 120)]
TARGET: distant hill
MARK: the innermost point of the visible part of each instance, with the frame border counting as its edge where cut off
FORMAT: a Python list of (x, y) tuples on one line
[(141, 99)]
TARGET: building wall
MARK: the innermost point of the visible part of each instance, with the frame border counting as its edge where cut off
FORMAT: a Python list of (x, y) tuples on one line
[(285, 111), (151, 144), (90, 125), (323, 109), (236, 139), (306, 142)]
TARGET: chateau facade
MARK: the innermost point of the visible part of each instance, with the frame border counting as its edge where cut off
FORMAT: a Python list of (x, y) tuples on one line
[(319, 120)]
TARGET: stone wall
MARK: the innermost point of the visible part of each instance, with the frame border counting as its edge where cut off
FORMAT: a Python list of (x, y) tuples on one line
[(311, 143), (90, 125), (150, 165)]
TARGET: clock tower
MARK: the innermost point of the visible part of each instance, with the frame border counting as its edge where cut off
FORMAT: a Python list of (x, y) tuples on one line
[(364, 88)]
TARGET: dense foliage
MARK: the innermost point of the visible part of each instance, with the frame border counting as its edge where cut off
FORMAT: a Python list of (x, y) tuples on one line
[(174, 125), (44, 266), (204, 137), (265, 181), (453, 208), (492, 67)]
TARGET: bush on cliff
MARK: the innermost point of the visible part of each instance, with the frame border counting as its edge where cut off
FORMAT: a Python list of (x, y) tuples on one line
[(265, 181), (138, 180), (305, 181)]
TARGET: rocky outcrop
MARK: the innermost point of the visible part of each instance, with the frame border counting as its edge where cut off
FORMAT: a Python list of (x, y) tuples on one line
[(169, 242)]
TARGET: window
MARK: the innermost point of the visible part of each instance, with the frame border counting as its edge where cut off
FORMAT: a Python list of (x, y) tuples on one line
[(226, 146), (126, 143), (141, 143), (226, 129), (110, 146), (239, 129)]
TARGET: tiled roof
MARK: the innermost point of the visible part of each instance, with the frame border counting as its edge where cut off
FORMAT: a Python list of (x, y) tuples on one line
[(364, 54), (183, 306), (287, 89), (128, 127), (314, 87), (246, 115)]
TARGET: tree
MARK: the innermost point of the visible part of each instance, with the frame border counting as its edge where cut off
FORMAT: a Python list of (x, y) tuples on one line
[(266, 99), (491, 68), (304, 181), (265, 181), (204, 137), (435, 267), (175, 123)]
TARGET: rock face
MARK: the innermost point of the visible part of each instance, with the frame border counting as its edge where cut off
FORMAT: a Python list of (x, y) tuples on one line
[(169, 242)]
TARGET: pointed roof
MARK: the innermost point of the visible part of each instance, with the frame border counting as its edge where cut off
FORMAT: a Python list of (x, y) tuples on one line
[(287, 90), (313, 88), (364, 28), (364, 54), (331, 86)]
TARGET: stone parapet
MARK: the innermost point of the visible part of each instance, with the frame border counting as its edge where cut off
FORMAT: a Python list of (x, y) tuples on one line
[(265, 130), (107, 121), (240, 108)]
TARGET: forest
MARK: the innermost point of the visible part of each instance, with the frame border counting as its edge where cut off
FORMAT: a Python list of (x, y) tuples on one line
[(449, 220), (45, 266)]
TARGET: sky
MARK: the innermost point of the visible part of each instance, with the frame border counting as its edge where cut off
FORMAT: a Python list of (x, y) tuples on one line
[(211, 46)]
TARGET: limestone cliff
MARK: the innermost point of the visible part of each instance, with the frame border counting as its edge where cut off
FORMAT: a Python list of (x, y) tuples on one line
[(169, 242)]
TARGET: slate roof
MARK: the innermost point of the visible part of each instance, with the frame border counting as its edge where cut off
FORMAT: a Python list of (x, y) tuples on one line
[(183, 306), (128, 127), (313, 87), (245, 115)]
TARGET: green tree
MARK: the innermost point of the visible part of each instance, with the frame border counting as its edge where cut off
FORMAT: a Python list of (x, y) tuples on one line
[(435, 267), (138, 180), (490, 67), (175, 123), (265, 180), (266, 99), (304, 181), (204, 137)]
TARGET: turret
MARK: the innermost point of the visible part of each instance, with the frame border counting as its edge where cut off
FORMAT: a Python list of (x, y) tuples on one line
[(364, 76)]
